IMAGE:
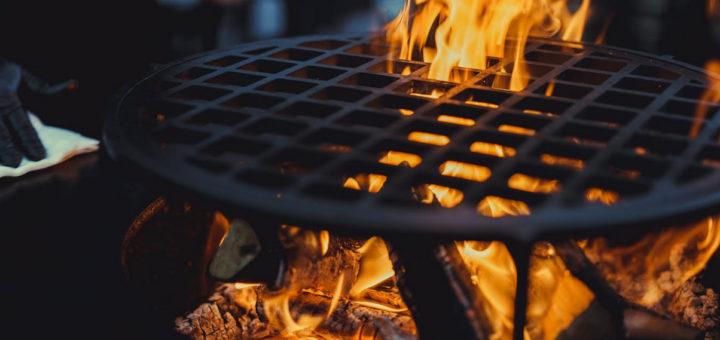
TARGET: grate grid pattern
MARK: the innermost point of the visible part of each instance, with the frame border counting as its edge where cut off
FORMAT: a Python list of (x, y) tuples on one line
[(298, 118)]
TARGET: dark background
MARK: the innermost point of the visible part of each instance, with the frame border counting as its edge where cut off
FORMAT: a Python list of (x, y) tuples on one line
[(62, 227)]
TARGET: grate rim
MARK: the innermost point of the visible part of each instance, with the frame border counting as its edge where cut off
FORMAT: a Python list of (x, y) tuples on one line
[(303, 92)]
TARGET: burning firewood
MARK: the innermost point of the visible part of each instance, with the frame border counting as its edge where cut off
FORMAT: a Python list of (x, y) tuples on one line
[(233, 312)]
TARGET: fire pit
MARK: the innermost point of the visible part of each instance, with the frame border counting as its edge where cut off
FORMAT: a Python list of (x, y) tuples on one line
[(328, 133)]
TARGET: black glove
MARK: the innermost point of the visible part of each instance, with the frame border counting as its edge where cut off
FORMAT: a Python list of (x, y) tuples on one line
[(18, 137)]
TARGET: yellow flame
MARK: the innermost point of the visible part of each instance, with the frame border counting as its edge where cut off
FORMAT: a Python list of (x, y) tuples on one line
[(481, 103), (516, 130), (494, 206), (533, 184), (432, 95), (467, 171), (492, 149), (455, 120), (447, 197), (406, 112), (324, 236), (398, 158), (428, 138), (562, 161), (659, 263), (468, 32), (375, 266), (366, 182), (550, 88), (711, 95), (603, 196), (555, 296)]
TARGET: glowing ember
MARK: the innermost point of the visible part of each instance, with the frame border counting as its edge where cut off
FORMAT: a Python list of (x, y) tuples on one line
[(562, 161), (494, 206), (516, 130), (468, 32), (428, 138), (455, 120), (659, 263), (446, 197), (492, 149), (603, 196), (711, 95), (366, 182), (399, 158), (533, 184), (467, 171)]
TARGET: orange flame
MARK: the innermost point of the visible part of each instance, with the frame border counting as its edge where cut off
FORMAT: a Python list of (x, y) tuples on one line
[(431, 193), (366, 182), (469, 32), (494, 206), (555, 296), (399, 158), (533, 184), (492, 149), (659, 263), (467, 171), (710, 96)]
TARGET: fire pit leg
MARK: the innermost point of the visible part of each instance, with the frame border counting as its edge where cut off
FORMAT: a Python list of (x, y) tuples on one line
[(521, 256), (442, 303)]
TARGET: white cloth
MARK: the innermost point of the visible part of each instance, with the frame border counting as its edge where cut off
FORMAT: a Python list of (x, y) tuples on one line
[(61, 145)]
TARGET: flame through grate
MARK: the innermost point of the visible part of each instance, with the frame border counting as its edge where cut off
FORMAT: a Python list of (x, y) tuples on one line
[(320, 121)]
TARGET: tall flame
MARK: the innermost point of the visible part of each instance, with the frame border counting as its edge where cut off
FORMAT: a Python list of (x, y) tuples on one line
[(711, 95), (555, 296), (469, 32)]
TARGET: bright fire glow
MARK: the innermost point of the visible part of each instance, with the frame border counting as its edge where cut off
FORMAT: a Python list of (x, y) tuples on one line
[(659, 263), (555, 296), (603, 196), (467, 171), (562, 161), (455, 120), (518, 130), (375, 266), (533, 184), (711, 95), (430, 193), (466, 33), (492, 149), (494, 206), (428, 138), (398, 158), (366, 182)]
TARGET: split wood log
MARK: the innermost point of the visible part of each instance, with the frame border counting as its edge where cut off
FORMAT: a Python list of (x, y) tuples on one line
[(235, 312)]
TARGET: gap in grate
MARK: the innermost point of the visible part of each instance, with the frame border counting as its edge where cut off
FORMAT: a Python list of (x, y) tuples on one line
[(296, 54), (456, 114), (369, 80), (623, 188), (296, 161), (203, 93), (425, 89), (253, 100), (542, 106), (612, 117), (329, 44), (235, 79), (625, 99), (709, 156), (691, 92), (521, 124), (334, 140), (370, 49), (317, 73), (584, 134), (345, 60), (235, 149), (274, 126), (600, 64), (361, 118), (583, 77), (554, 89), (667, 125), (340, 93), (226, 61), (655, 72), (646, 144), (193, 73), (217, 117), (637, 166), (642, 85), (687, 109), (396, 67), (547, 57), (309, 109), (287, 86), (482, 98), (267, 66), (404, 105)]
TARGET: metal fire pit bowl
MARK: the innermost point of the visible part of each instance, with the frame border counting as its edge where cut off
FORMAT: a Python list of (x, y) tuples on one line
[(275, 128)]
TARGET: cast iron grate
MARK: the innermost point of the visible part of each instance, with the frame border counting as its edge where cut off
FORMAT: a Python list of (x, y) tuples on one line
[(282, 126)]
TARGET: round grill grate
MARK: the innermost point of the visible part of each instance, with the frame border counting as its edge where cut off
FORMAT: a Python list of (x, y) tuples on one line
[(328, 131)]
